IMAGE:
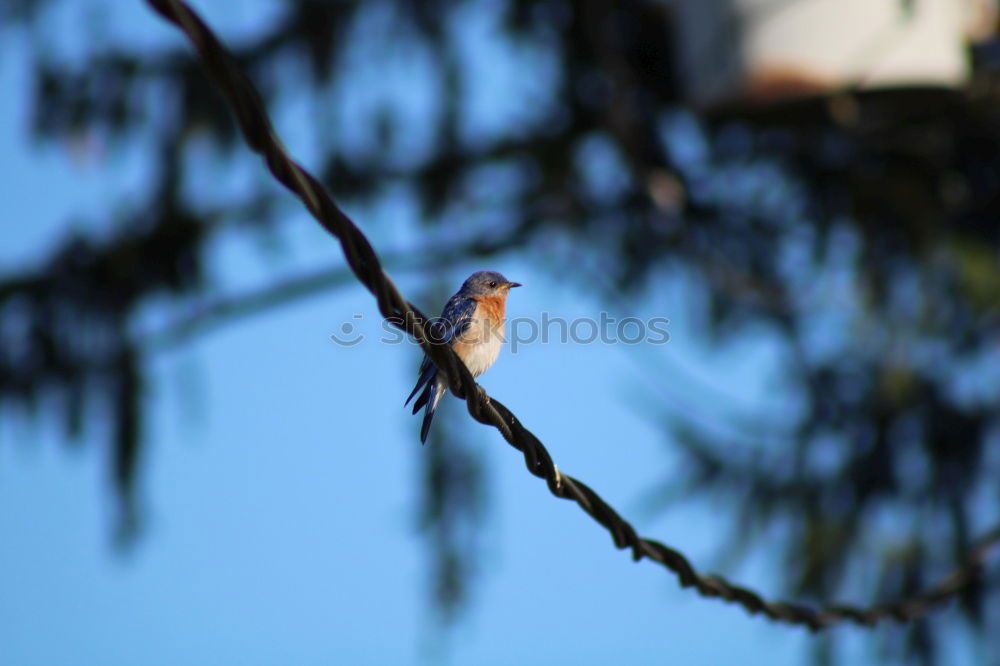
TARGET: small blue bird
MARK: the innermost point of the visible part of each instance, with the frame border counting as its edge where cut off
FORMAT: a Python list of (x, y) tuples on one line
[(472, 323)]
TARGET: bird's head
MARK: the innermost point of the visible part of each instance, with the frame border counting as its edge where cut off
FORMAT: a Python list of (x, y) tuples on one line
[(488, 283)]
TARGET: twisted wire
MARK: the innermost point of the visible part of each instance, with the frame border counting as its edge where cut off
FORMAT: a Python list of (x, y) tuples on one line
[(363, 261)]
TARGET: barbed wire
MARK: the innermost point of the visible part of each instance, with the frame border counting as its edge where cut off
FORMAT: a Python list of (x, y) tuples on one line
[(366, 266)]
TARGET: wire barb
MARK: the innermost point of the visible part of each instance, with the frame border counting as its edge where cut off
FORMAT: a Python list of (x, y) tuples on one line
[(364, 262)]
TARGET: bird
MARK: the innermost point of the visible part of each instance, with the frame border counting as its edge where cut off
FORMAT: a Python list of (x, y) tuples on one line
[(472, 324)]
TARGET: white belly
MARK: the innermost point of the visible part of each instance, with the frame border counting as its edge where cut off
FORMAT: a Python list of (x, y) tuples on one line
[(480, 351)]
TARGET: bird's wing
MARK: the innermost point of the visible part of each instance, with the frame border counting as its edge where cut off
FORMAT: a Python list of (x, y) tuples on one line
[(455, 318)]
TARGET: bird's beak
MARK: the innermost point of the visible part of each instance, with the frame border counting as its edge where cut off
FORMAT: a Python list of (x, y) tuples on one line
[(511, 285)]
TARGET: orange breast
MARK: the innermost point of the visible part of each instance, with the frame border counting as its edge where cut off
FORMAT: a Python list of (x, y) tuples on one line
[(493, 308)]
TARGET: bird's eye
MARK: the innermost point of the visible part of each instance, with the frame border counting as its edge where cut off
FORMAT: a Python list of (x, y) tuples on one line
[(493, 284)]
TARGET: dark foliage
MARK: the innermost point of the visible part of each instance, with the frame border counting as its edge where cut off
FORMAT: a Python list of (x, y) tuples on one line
[(894, 196)]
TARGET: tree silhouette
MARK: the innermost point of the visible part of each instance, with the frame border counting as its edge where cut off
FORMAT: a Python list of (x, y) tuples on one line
[(860, 227)]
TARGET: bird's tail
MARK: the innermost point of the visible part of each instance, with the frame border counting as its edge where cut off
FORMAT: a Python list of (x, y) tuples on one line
[(427, 375), (433, 389), (430, 397)]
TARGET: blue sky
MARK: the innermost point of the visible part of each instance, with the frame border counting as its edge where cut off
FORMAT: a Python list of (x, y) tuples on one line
[(279, 482)]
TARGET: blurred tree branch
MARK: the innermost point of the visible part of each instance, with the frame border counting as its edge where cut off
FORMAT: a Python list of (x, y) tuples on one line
[(861, 227)]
